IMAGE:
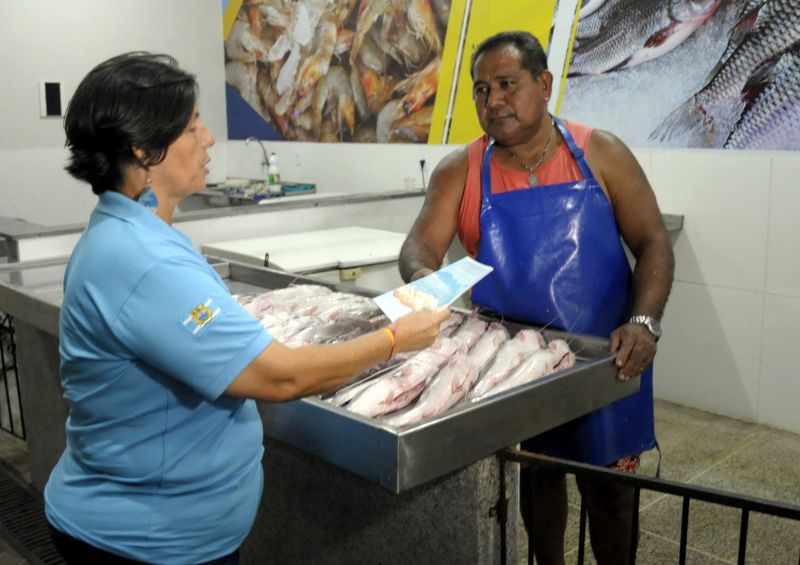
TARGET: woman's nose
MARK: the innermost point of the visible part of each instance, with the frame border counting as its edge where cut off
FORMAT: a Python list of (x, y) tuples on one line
[(209, 137)]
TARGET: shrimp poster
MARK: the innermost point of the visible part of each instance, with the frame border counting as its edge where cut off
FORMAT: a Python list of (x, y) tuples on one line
[(669, 73), (361, 70)]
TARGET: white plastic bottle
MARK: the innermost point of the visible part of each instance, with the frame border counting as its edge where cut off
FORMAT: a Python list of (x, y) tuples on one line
[(273, 175)]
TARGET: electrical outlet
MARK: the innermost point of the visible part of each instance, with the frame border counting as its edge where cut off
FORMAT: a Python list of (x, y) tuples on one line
[(297, 159), (350, 274)]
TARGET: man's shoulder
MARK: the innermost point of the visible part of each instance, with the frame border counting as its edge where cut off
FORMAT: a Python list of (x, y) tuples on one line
[(455, 160), (580, 132)]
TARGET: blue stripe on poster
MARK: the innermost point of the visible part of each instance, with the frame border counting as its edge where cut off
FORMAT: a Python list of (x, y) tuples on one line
[(243, 121)]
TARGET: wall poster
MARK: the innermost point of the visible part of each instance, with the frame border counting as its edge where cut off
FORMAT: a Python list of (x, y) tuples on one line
[(688, 73), (669, 73)]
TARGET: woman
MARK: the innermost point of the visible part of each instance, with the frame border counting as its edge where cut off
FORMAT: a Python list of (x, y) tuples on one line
[(158, 361), (545, 202)]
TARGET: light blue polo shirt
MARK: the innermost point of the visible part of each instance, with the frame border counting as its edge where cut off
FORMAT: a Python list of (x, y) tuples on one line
[(159, 466)]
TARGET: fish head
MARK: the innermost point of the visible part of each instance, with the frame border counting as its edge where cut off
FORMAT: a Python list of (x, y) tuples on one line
[(560, 348), (693, 10), (531, 335)]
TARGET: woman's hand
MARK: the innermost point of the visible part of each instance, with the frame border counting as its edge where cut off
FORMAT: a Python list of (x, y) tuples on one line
[(419, 329)]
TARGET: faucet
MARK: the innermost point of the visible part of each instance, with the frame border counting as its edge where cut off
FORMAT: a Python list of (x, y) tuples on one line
[(265, 159)]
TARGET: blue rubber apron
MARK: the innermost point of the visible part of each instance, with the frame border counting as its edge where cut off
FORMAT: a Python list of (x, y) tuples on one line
[(558, 261)]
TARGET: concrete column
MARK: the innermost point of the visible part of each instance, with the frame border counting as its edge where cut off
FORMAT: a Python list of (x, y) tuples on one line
[(314, 512), (42, 403)]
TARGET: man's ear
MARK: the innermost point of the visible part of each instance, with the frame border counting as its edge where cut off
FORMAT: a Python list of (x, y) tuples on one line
[(545, 80)]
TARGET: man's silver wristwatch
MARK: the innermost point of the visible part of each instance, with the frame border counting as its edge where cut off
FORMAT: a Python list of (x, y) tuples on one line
[(653, 326)]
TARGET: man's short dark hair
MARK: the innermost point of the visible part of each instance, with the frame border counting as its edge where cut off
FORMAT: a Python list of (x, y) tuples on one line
[(137, 99), (531, 51)]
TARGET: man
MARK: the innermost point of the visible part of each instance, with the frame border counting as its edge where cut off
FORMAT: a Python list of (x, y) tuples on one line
[(545, 203)]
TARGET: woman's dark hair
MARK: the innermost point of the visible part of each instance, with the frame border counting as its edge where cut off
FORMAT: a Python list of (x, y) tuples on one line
[(137, 99), (531, 51)]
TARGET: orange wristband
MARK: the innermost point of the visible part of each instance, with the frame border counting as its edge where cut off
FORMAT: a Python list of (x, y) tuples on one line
[(390, 331)]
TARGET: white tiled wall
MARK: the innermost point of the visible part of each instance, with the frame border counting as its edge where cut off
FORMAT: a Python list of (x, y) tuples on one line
[(725, 241), (779, 384), (783, 251), (709, 355), (731, 333)]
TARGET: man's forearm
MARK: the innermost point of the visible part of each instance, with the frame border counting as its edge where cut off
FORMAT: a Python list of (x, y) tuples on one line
[(415, 257), (652, 280)]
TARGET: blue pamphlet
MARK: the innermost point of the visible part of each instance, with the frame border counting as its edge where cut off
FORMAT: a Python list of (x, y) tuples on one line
[(434, 291)]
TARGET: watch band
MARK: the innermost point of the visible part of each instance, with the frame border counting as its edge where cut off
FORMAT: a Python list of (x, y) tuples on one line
[(652, 324)]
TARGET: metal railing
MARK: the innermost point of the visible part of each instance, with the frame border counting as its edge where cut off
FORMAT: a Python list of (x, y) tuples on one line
[(687, 492), (11, 417)]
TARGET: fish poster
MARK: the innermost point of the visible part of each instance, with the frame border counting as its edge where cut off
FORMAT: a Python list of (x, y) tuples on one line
[(657, 73), (434, 291), (688, 73)]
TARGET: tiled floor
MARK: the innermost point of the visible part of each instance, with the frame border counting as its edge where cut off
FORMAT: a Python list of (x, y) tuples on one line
[(720, 453), (698, 448), (12, 452)]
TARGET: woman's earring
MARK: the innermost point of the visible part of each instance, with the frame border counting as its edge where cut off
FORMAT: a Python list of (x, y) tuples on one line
[(147, 197)]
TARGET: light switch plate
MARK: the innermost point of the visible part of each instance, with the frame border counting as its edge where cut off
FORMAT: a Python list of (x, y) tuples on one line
[(51, 103)]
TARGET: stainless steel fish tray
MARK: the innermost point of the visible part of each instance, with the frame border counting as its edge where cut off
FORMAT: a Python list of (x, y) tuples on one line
[(396, 458), (402, 458)]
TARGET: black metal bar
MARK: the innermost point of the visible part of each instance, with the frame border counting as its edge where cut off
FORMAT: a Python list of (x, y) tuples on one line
[(684, 530), (502, 513), (531, 514), (753, 504), (743, 536), (582, 528), (634, 527), (21, 433), (8, 362), (6, 377), (530, 549)]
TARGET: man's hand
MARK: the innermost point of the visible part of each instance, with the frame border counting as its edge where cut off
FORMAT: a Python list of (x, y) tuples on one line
[(424, 272), (635, 348)]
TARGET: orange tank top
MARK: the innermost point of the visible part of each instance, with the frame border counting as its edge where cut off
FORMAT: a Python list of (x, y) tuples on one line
[(561, 167)]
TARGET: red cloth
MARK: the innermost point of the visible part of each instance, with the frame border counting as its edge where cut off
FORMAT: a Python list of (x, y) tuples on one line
[(561, 167)]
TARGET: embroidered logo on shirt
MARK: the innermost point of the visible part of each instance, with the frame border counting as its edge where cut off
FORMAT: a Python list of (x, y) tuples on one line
[(201, 316)]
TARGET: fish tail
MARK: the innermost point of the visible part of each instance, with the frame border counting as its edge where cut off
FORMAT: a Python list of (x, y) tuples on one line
[(689, 120)]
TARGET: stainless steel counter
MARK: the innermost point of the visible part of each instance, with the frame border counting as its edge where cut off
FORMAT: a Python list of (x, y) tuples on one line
[(396, 458), (26, 241), (40, 241), (14, 229)]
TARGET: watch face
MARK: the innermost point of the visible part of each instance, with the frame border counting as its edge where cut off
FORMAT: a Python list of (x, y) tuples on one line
[(654, 326)]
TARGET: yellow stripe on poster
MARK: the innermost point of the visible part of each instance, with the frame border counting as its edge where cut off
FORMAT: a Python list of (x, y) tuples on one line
[(484, 20), (569, 57), (447, 72), (229, 17)]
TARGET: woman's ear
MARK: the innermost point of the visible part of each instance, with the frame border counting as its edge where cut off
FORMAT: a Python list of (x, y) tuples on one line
[(141, 156)]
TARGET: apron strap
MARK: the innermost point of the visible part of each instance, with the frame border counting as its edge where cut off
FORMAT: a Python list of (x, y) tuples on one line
[(577, 152), (486, 173)]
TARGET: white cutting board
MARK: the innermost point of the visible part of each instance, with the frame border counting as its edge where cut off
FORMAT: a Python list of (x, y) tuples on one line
[(304, 252)]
